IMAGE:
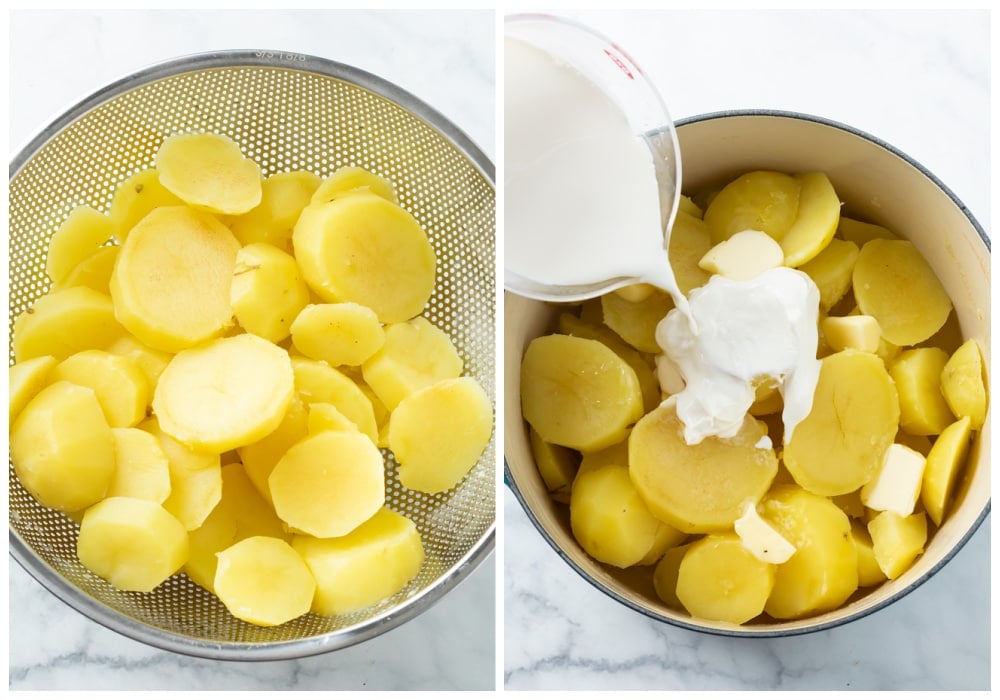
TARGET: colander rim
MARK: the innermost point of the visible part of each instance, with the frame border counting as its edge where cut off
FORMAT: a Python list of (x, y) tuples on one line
[(389, 619)]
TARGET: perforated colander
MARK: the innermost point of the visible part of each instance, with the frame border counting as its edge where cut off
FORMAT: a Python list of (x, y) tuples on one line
[(287, 112)]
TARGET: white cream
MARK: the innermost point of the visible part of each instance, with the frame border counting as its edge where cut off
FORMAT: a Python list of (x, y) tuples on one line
[(747, 331)]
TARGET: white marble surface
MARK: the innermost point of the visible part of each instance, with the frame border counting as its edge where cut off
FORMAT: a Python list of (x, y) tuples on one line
[(921, 81), (444, 58)]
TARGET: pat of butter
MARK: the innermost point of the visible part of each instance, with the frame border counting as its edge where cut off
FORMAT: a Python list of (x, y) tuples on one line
[(669, 375), (857, 332), (762, 540), (743, 256), (897, 485)]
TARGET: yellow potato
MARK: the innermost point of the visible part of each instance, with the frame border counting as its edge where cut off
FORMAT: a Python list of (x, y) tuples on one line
[(869, 572), (665, 576), (636, 322), (839, 446), (132, 543), (262, 580), (151, 362), (897, 540), (635, 292), (944, 463), (667, 537), (831, 270), (816, 220), (318, 382), (224, 394), (260, 457), (761, 200), (438, 433), (25, 380), (326, 416), (210, 172), (922, 407), (698, 488), (83, 232), (367, 250), (860, 232), (195, 478), (283, 197), (62, 449), (690, 239), (613, 454), (963, 383), (253, 515), (340, 334), (893, 282), (267, 291), (687, 206), (171, 283), (65, 322), (94, 271), (216, 533), (719, 579), (351, 179), (120, 386), (608, 517), (142, 469), (577, 392), (327, 484), (414, 354), (556, 464), (374, 561), (823, 572), (135, 197)]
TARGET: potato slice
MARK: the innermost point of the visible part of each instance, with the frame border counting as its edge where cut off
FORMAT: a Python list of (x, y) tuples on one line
[(414, 354), (367, 250), (609, 518), (224, 394), (120, 386), (210, 172), (897, 541), (171, 284), (142, 469), (816, 220), (438, 433), (636, 322), (666, 573), (135, 197), (132, 543), (635, 292), (65, 322), (254, 515), (823, 572), (690, 239), (25, 380), (267, 291), (944, 463), (350, 179), (195, 478), (762, 200), (328, 484), (260, 457), (83, 232), (869, 572), (687, 205), (667, 537), (151, 362), (860, 232), (698, 488), (556, 464), (326, 416), (62, 449), (283, 197), (374, 561), (839, 446), (577, 392), (216, 533), (263, 581), (922, 407), (893, 282), (831, 270), (94, 271), (318, 382), (718, 579), (339, 334), (963, 383)]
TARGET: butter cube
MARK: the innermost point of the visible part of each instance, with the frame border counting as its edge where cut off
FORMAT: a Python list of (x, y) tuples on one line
[(743, 256), (858, 332), (762, 540), (896, 487)]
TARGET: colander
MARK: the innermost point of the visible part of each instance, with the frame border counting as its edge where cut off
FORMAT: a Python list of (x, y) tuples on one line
[(287, 111)]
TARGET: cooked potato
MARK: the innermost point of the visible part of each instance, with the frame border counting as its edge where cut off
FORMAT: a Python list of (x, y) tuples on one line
[(762, 200), (944, 463), (340, 334), (893, 282), (815, 222), (267, 291), (636, 322), (839, 446), (698, 488), (326, 416), (556, 464), (94, 271), (83, 232), (119, 384), (25, 380), (690, 239), (897, 540), (259, 457), (65, 322), (368, 250), (963, 383), (718, 579), (577, 392), (351, 179), (135, 197), (438, 433), (195, 478), (665, 575), (832, 270), (860, 232), (374, 561), (283, 197), (318, 382), (922, 407), (151, 362), (210, 172), (869, 572), (262, 580), (142, 469), (132, 543)]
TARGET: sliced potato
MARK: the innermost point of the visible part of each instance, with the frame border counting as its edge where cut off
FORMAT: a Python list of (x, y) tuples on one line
[(869, 572), (831, 269), (209, 171), (944, 463), (83, 232), (762, 200), (718, 579), (326, 416), (65, 322), (94, 271), (963, 383), (267, 291), (262, 580), (25, 380), (556, 464), (260, 457), (690, 239), (142, 469), (816, 220), (151, 362), (119, 384), (283, 197), (135, 197), (351, 179), (860, 232), (897, 541), (340, 334), (922, 407), (665, 575), (636, 322), (318, 382)]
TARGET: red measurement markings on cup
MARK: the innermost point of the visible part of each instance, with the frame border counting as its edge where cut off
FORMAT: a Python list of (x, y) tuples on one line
[(620, 63)]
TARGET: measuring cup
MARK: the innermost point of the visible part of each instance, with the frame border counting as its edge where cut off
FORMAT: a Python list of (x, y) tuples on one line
[(611, 70)]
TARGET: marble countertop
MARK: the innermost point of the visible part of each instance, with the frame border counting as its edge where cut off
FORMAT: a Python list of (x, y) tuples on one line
[(444, 58), (920, 81)]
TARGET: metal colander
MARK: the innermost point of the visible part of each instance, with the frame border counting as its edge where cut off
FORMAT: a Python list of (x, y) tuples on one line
[(287, 112)]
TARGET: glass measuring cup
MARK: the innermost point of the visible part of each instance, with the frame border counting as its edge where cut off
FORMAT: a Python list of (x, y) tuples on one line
[(606, 66)]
